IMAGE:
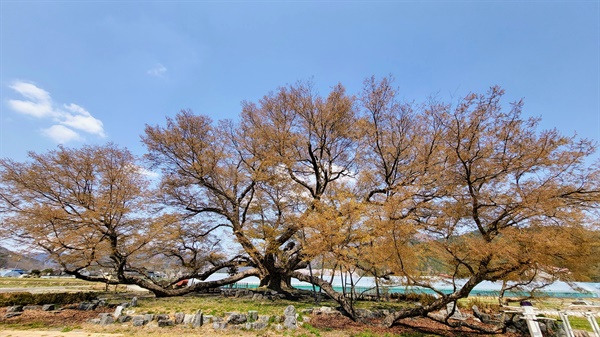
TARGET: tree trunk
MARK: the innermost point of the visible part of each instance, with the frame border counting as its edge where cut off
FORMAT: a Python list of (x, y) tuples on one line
[(160, 291), (438, 304), (274, 277), (346, 304), (276, 281)]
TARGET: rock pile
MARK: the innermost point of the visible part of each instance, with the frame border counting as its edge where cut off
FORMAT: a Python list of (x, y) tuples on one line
[(231, 320)]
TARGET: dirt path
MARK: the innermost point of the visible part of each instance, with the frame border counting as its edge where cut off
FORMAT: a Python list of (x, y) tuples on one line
[(33, 333)]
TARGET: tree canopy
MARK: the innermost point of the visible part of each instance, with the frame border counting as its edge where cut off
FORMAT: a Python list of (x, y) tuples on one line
[(363, 184)]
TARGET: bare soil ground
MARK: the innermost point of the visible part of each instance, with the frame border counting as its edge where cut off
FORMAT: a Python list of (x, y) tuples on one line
[(31, 333), (62, 320), (65, 317), (409, 326)]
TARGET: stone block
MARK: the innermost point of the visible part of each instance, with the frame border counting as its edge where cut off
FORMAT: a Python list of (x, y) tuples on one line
[(118, 311), (365, 314), (165, 322), (124, 319), (252, 315), (198, 319), (161, 317), (32, 307), (237, 318), (48, 307), (106, 320), (290, 322), (208, 318), (325, 310), (87, 306), (187, 319), (290, 310), (179, 316), (14, 308), (457, 314), (219, 325), (139, 321), (242, 293), (258, 325)]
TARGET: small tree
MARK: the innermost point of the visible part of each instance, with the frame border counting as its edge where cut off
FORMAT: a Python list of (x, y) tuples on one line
[(93, 209)]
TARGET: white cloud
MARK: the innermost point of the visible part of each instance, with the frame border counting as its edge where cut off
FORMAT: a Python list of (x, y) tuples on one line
[(82, 120), (158, 70), (148, 173), (38, 105), (35, 109), (68, 119), (61, 134), (30, 91)]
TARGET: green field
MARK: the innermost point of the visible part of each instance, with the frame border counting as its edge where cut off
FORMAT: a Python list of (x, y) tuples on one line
[(12, 282)]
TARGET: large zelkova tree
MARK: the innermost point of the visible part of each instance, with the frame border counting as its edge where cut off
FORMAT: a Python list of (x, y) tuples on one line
[(366, 185), (378, 187), (259, 179), (93, 211)]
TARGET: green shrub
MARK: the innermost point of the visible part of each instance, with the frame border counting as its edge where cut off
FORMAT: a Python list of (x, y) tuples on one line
[(413, 297), (25, 298), (484, 304)]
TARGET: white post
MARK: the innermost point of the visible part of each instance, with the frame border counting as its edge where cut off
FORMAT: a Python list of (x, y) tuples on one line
[(532, 324), (593, 323), (564, 316)]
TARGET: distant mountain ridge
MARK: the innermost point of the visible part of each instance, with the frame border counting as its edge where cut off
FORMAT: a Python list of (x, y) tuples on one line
[(14, 260)]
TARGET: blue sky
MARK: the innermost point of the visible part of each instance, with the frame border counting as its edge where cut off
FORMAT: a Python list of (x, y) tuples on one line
[(77, 72)]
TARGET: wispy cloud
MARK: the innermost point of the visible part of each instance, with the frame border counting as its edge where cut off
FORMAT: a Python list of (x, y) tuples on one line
[(148, 173), (69, 119), (158, 70), (61, 134), (38, 103), (80, 119)]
